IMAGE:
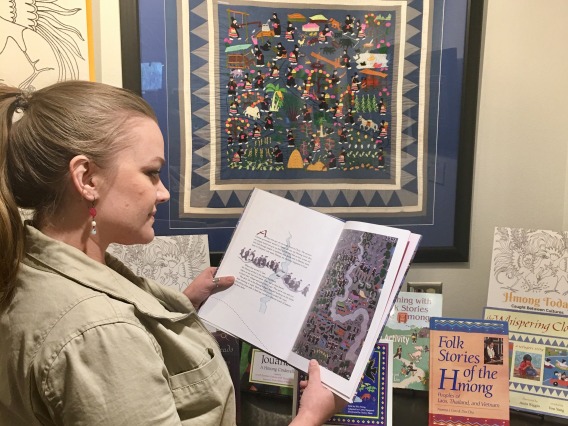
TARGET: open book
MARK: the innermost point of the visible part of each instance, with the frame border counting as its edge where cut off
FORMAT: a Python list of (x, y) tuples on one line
[(309, 285)]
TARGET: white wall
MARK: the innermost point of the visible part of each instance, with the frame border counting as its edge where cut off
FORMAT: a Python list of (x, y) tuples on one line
[(521, 173), (106, 35)]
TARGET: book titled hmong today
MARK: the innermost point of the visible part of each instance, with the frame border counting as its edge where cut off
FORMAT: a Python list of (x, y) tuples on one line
[(529, 271), (469, 372)]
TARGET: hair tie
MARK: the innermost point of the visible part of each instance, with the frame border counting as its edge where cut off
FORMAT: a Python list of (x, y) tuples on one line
[(21, 103), (23, 98)]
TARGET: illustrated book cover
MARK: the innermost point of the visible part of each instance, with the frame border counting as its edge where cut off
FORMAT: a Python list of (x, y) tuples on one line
[(529, 271), (264, 374), (469, 372), (310, 286), (173, 261), (372, 405), (408, 328), (538, 353)]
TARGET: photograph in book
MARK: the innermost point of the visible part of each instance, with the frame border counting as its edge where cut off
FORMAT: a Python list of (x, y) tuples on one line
[(538, 352), (469, 372), (372, 404), (529, 270), (408, 328), (308, 285)]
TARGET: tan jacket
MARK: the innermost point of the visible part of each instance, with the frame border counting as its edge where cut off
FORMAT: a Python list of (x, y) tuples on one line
[(86, 344)]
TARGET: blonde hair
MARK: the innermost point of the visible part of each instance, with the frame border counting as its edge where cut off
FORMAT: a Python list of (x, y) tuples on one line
[(55, 124)]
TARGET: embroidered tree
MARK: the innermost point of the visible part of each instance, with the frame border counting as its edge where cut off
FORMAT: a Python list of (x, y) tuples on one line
[(278, 97)]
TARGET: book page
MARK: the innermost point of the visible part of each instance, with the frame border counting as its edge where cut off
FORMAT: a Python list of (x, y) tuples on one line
[(351, 307), (278, 254)]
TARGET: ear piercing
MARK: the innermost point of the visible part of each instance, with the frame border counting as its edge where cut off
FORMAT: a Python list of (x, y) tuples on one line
[(93, 213)]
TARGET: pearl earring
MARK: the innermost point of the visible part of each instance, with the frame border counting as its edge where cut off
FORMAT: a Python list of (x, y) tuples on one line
[(93, 213)]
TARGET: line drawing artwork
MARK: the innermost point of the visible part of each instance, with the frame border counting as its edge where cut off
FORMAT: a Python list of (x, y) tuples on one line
[(280, 275), (42, 42), (531, 261), (173, 261)]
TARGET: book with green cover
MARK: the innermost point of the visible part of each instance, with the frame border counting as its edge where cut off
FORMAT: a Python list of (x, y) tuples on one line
[(408, 328), (264, 374)]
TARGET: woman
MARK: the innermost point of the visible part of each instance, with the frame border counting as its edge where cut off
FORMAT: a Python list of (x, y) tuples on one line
[(489, 353), (84, 340)]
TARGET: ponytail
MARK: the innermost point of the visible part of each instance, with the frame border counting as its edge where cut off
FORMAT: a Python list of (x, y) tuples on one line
[(39, 134), (11, 228)]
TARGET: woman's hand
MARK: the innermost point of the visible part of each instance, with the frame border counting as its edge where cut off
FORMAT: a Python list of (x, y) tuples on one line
[(205, 284), (318, 403)]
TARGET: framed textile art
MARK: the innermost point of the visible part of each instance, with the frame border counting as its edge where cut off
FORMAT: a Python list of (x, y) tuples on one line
[(363, 110)]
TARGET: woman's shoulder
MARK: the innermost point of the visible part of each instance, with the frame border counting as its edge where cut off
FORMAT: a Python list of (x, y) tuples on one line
[(61, 309)]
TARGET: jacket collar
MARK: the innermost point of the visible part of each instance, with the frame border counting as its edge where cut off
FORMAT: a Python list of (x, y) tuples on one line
[(113, 279)]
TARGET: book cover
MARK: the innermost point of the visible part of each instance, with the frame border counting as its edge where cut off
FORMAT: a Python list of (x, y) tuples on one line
[(310, 286), (529, 271), (408, 328), (469, 372), (264, 374), (372, 404), (173, 261), (230, 347), (538, 353)]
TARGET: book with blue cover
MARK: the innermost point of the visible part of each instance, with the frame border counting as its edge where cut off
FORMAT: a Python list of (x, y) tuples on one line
[(372, 404)]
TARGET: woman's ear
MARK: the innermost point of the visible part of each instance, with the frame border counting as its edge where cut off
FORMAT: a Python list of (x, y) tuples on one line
[(82, 170)]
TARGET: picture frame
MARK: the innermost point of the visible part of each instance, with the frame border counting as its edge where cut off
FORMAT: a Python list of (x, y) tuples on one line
[(46, 44), (446, 229)]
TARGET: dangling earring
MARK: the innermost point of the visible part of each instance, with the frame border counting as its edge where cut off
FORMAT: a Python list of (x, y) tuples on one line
[(93, 213)]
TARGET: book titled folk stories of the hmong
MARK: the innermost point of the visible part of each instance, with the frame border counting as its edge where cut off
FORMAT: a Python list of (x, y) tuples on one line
[(469, 372)]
